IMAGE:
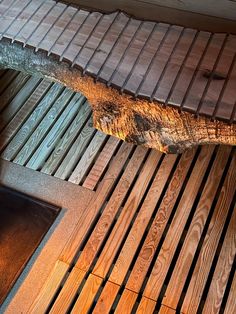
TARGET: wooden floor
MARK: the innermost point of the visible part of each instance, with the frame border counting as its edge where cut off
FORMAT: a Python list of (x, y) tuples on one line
[(186, 68), (159, 234)]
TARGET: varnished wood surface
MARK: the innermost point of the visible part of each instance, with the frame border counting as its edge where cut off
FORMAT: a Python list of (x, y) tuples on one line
[(158, 234), (182, 67)]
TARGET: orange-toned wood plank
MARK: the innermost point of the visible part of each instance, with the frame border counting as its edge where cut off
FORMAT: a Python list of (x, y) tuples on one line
[(173, 236), (95, 240), (136, 233), (202, 268), (87, 295), (222, 270), (146, 306), (106, 298), (68, 291), (113, 243), (186, 255), (166, 310), (126, 302), (48, 291), (155, 232), (231, 302), (97, 201), (101, 163)]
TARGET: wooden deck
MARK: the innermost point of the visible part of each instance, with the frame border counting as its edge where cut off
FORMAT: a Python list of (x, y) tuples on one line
[(159, 233), (186, 68)]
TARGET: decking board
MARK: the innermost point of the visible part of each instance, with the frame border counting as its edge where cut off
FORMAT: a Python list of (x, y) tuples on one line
[(142, 58), (158, 234)]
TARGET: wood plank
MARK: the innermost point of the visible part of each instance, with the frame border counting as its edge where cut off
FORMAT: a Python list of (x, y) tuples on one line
[(146, 306), (111, 209), (231, 304), (200, 79), (101, 163), (161, 218), (202, 268), (7, 78), (22, 19), (17, 102), (166, 310), (126, 302), (35, 20), (215, 86), (48, 291), (68, 291), (11, 91), (88, 158), (186, 255), (174, 66), (97, 201), (75, 152), (45, 148), (118, 232), (222, 270), (40, 132), (46, 24), (87, 295), (94, 41), (174, 233), (23, 113), (31, 123), (111, 47), (67, 140), (53, 35), (139, 226), (161, 60), (107, 298), (178, 94), (130, 55)]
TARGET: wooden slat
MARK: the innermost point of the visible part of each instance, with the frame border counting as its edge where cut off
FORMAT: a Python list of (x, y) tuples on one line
[(88, 157), (142, 263), (146, 306), (107, 298), (159, 61), (75, 152), (231, 304), (23, 113), (87, 295), (183, 264), (222, 270), (46, 147), (38, 135), (68, 291), (131, 244), (34, 119), (46, 295), (66, 141), (102, 227), (160, 269), (118, 232), (126, 302), (101, 163), (11, 91), (166, 310), (100, 196), (202, 268), (17, 102), (6, 79)]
